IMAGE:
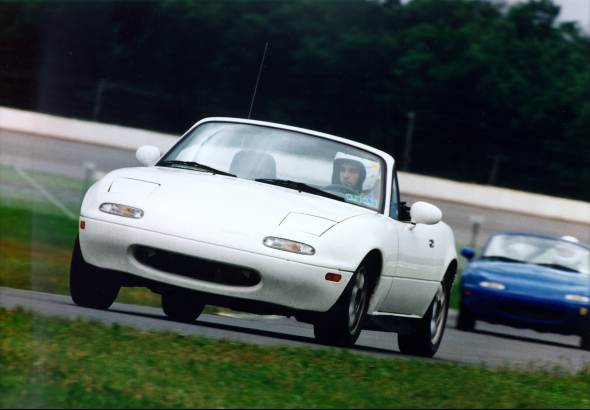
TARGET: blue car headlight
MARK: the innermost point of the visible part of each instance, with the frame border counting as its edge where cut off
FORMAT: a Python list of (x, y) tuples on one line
[(492, 285), (577, 298)]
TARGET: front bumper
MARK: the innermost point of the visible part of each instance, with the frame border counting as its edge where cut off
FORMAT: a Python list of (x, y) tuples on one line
[(285, 283), (526, 312)]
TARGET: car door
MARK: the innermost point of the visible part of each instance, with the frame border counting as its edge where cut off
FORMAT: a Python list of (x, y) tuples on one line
[(413, 282), (418, 253), (416, 242)]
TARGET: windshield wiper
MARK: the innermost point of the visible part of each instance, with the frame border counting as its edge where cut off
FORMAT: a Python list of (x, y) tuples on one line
[(193, 165), (558, 267), (299, 186), (501, 259)]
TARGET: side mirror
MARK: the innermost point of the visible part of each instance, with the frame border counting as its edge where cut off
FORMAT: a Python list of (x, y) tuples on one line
[(425, 213), (148, 155), (468, 253)]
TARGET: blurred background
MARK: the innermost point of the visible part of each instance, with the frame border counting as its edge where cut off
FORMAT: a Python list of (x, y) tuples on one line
[(469, 96), (484, 91)]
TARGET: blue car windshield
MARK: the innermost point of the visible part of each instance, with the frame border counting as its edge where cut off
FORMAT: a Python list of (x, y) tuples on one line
[(553, 253)]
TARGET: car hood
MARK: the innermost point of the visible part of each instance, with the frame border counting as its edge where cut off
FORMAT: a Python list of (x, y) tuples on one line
[(530, 279), (196, 204)]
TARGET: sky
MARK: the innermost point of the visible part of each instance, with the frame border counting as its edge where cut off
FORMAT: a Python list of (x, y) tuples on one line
[(572, 10)]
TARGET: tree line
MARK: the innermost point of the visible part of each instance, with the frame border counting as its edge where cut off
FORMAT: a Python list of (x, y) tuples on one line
[(494, 93)]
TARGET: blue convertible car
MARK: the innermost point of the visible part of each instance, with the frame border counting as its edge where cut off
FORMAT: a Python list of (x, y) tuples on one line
[(528, 281)]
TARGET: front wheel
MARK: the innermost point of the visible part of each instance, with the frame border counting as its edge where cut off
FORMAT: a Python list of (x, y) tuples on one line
[(182, 306), (91, 286), (585, 343), (428, 334), (342, 325)]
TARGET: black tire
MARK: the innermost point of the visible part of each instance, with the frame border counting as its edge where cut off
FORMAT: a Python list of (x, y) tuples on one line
[(182, 306), (585, 342), (465, 320), (91, 286), (429, 331), (337, 327)]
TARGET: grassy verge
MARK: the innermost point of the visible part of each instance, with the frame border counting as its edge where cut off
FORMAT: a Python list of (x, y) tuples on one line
[(48, 362)]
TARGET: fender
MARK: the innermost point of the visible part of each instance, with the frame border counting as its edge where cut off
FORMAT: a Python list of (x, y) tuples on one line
[(355, 237), (450, 254)]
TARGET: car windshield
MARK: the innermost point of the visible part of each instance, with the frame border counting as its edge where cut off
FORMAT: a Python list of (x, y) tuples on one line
[(290, 159), (553, 253)]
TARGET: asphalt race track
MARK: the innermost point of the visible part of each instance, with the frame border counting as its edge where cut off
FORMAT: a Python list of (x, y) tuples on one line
[(494, 346)]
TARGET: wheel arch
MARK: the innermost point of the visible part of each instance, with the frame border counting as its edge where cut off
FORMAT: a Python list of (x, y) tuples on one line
[(374, 260), (451, 273)]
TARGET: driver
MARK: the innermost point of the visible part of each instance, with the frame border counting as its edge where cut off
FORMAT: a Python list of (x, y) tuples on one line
[(568, 255), (349, 173)]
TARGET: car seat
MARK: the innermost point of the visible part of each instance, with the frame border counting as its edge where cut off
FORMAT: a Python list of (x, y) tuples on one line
[(251, 164)]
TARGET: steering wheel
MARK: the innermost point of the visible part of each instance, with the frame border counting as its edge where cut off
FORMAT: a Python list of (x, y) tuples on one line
[(341, 189)]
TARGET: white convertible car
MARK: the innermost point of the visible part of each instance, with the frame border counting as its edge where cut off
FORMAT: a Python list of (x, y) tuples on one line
[(270, 219)]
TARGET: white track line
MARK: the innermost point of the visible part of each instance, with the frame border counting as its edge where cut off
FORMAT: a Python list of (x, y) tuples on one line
[(46, 194)]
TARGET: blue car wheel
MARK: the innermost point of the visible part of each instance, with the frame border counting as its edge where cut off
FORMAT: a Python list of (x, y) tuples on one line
[(466, 320)]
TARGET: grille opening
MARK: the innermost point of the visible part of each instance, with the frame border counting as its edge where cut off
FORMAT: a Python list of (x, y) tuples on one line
[(532, 312), (196, 268)]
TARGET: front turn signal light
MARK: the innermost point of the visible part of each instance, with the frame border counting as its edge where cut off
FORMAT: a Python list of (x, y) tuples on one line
[(121, 210), (288, 245)]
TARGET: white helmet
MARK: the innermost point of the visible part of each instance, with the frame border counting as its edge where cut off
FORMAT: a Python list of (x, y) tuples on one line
[(372, 169)]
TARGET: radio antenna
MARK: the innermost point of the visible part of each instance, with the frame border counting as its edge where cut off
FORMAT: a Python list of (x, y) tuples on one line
[(258, 80)]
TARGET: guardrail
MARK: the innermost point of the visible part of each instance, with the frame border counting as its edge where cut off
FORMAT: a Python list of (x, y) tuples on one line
[(82, 131), (411, 184)]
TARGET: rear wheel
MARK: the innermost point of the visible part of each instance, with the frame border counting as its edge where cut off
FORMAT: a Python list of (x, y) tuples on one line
[(182, 306), (585, 343), (466, 320), (91, 286), (428, 334), (342, 325)]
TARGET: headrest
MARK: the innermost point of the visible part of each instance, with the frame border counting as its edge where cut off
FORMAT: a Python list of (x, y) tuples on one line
[(253, 165)]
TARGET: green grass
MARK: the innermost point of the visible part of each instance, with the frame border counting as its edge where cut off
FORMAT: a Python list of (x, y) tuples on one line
[(27, 222), (47, 362)]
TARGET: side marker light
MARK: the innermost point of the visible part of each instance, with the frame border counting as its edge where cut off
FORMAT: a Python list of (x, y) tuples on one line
[(333, 277)]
